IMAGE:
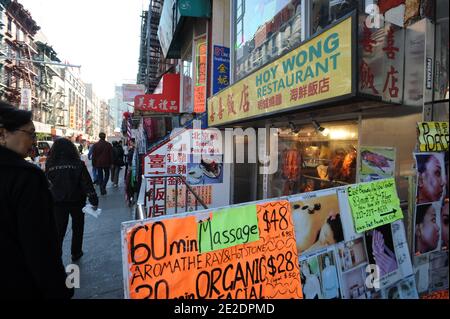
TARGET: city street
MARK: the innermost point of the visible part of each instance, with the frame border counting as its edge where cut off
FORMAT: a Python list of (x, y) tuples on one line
[(101, 265)]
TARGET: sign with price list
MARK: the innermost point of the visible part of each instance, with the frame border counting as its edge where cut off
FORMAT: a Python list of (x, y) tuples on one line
[(163, 260), (374, 204)]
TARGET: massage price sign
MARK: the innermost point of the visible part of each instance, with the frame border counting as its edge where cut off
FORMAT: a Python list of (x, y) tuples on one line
[(433, 136), (243, 252), (374, 204), (318, 70)]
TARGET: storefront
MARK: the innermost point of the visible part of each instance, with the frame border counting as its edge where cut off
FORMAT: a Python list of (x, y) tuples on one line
[(345, 106), (339, 92)]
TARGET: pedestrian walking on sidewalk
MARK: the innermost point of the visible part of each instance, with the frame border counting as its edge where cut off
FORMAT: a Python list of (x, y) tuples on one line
[(102, 160), (129, 181), (94, 170), (117, 163), (70, 184), (31, 264)]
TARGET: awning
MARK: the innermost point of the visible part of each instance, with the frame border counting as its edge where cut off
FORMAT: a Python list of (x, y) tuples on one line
[(42, 127), (173, 16)]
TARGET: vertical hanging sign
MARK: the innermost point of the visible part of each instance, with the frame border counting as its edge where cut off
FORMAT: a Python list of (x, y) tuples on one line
[(200, 76), (221, 68)]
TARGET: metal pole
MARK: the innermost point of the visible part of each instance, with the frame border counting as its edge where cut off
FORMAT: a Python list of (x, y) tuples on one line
[(154, 194), (165, 195), (176, 195), (186, 197), (40, 62)]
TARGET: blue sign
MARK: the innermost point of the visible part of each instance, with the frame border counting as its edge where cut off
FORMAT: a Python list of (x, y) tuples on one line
[(221, 68)]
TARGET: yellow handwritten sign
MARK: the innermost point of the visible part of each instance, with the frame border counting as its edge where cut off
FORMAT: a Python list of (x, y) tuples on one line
[(374, 204), (433, 136), (318, 70), (162, 259)]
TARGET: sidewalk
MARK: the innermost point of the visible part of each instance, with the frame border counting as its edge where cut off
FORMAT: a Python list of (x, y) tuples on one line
[(101, 265)]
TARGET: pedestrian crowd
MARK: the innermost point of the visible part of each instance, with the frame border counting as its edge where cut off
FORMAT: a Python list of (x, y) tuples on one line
[(35, 205)]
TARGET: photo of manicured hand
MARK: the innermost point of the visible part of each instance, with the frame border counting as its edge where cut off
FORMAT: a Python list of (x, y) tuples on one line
[(384, 257)]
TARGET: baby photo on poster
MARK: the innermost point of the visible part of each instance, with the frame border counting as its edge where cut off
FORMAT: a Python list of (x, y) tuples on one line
[(317, 221), (380, 249)]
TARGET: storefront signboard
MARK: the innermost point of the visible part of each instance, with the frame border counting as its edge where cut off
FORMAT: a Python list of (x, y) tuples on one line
[(166, 102), (221, 68), (129, 91), (162, 258), (381, 58), (200, 76), (319, 70), (193, 155)]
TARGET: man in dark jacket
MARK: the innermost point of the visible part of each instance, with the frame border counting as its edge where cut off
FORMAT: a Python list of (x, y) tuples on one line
[(31, 265), (102, 160)]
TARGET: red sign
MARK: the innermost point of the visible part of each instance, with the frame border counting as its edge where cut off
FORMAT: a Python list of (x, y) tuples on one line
[(167, 102)]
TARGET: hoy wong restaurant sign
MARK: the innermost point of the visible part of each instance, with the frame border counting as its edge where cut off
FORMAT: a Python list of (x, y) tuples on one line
[(166, 102), (319, 70)]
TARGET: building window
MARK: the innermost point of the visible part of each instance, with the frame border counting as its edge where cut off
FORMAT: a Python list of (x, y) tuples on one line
[(263, 32), (9, 24), (325, 12), (188, 74)]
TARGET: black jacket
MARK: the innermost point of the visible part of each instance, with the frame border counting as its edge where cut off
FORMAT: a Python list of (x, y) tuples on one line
[(31, 265), (118, 156), (70, 184)]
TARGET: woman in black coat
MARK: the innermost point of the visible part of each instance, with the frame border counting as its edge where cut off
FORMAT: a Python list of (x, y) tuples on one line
[(70, 184), (31, 265)]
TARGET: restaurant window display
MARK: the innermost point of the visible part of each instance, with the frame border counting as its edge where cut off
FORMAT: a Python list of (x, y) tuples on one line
[(264, 30), (314, 156)]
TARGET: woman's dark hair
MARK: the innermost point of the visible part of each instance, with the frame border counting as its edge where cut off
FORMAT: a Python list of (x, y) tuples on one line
[(11, 118), (336, 227), (63, 150), (422, 162), (421, 211)]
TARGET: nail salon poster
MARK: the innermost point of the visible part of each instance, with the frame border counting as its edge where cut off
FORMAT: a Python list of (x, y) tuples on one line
[(199, 160)]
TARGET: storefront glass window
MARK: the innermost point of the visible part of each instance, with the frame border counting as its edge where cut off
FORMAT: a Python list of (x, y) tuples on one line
[(264, 30), (325, 12), (188, 74), (314, 157)]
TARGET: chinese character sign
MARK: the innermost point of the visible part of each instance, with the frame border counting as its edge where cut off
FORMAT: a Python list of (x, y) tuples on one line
[(167, 102), (200, 76), (319, 70), (221, 68), (381, 61)]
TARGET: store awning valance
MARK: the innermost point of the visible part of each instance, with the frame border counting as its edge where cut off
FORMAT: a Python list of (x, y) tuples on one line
[(173, 17)]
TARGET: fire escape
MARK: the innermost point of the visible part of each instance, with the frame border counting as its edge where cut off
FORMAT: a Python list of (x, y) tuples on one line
[(20, 72), (150, 52)]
